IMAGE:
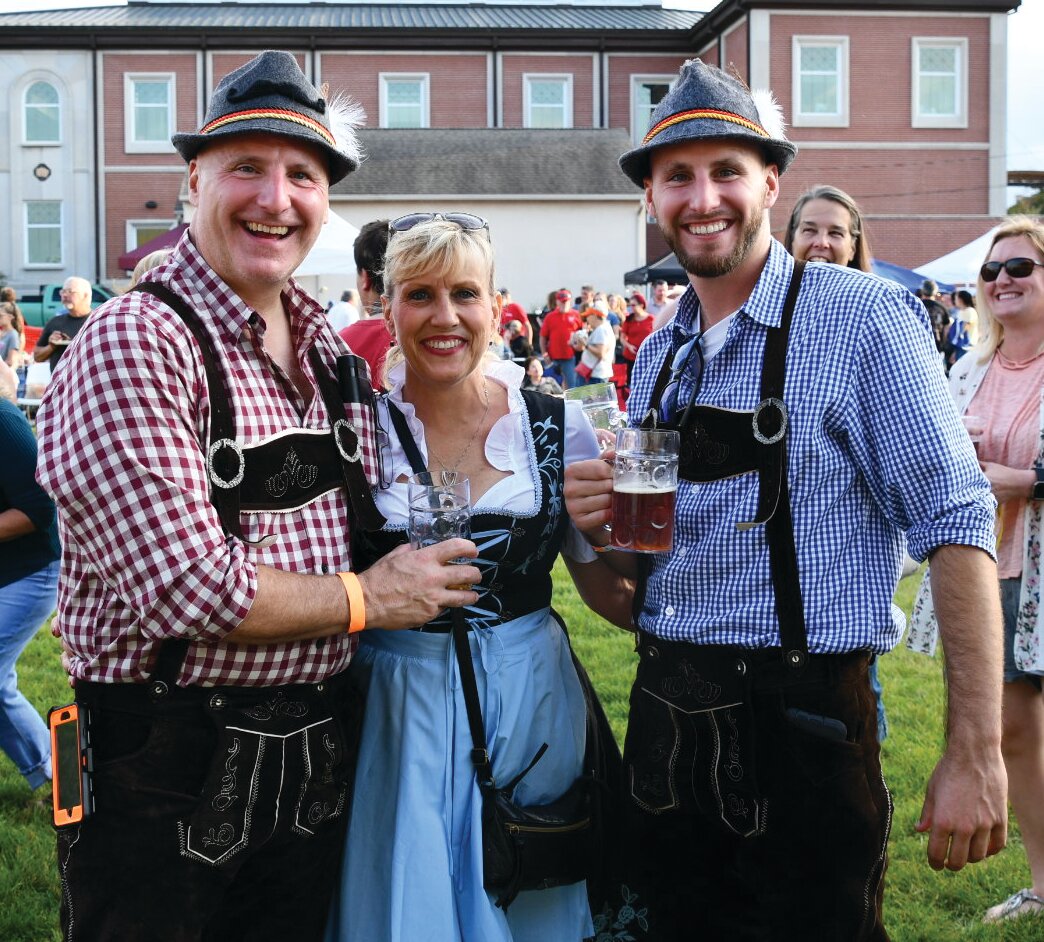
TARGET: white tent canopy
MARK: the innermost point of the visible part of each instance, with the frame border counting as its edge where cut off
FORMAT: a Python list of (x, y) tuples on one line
[(332, 253), (961, 266)]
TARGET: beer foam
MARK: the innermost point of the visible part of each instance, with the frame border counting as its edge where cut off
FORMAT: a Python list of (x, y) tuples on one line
[(640, 487)]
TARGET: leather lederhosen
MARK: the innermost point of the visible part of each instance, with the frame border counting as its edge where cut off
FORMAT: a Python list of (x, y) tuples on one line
[(721, 443), (691, 710)]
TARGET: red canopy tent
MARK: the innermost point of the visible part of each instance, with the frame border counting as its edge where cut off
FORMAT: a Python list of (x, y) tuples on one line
[(164, 240)]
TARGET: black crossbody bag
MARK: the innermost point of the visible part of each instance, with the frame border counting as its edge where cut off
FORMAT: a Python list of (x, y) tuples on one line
[(525, 848)]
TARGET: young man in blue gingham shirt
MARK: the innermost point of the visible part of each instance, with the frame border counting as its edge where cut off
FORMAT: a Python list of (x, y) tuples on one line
[(768, 788)]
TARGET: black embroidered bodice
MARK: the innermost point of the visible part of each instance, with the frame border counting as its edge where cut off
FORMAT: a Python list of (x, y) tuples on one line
[(516, 552)]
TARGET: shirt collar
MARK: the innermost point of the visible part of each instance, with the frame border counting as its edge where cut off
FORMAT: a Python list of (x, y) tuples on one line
[(765, 304), (189, 274)]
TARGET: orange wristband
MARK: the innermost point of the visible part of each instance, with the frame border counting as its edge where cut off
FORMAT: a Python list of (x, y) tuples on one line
[(356, 604)]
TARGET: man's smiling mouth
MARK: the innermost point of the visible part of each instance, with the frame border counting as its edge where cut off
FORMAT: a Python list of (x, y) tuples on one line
[(261, 229)]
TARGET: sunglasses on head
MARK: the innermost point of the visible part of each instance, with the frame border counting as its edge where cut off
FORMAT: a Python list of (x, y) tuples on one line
[(466, 221), (688, 358), (1015, 267)]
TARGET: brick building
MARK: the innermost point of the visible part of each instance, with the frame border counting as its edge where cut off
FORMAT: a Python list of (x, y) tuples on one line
[(513, 111)]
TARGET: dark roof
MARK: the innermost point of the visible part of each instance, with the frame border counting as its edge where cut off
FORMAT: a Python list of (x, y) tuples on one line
[(331, 24), (713, 23), (496, 161)]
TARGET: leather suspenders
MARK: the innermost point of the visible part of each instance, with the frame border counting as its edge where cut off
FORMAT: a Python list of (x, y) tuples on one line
[(242, 478), (719, 443)]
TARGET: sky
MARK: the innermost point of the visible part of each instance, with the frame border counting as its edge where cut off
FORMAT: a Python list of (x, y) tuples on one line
[(1025, 70)]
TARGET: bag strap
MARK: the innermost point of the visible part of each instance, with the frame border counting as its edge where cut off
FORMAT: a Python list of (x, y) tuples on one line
[(405, 436), (469, 687), (468, 684)]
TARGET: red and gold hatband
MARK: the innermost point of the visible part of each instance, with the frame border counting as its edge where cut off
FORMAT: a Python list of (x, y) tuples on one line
[(710, 113), (280, 114)]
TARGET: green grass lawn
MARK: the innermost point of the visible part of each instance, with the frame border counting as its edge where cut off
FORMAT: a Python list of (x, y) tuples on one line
[(920, 905)]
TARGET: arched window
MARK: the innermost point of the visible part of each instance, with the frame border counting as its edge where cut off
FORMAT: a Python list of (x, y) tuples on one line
[(43, 114)]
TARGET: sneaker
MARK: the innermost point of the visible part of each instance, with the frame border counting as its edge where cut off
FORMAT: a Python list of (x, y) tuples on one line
[(1023, 903)]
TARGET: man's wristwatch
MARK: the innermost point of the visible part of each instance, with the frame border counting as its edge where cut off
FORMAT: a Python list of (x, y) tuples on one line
[(1038, 486)]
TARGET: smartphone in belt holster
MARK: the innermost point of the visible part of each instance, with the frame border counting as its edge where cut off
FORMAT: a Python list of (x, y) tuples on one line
[(72, 763)]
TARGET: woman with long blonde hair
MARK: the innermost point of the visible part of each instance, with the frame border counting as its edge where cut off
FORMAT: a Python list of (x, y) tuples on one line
[(999, 390)]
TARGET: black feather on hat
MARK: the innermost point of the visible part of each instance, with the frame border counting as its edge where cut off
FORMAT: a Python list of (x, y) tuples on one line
[(709, 104), (270, 94)]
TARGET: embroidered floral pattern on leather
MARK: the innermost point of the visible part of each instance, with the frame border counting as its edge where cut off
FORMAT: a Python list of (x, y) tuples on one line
[(294, 475), (226, 797), (620, 925)]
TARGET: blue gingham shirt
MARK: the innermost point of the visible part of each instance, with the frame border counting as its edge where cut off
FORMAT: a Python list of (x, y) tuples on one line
[(875, 450)]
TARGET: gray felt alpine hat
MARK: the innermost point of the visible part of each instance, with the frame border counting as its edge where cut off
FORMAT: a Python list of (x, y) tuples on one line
[(270, 94), (707, 104)]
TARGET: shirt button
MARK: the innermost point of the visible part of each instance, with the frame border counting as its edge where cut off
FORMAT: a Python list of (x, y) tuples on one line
[(669, 610), (324, 568), (681, 550)]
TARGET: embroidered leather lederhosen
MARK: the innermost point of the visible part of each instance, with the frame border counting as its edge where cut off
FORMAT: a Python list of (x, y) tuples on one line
[(704, 690), (285, 472)]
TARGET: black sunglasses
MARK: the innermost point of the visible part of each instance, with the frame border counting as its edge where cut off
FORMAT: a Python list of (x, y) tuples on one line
[(689, 357), (1015, 267), (466, 221)]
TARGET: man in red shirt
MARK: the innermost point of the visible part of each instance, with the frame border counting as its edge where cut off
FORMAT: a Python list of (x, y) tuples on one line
[(513, 311), (210, 475), (369, 337), (556, 333)]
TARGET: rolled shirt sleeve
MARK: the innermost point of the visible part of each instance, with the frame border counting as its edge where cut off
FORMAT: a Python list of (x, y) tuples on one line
[(907, 437)]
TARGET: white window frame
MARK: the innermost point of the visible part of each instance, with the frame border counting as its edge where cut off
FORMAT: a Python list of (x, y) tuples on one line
[(131, 227), (61, 235), (425, 89), (25, 115), (567, 106), (639, 124), (959, 119), (130, 144), (835, 119)]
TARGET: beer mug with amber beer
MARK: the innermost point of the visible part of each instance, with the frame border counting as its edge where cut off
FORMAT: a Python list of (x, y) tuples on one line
[(645, 480)]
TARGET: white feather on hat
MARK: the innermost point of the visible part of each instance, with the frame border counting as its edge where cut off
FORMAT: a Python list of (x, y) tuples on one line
[(770, 114), (346, 116)]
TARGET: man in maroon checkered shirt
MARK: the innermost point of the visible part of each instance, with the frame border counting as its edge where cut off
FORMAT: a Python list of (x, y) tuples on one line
[(209, 454)]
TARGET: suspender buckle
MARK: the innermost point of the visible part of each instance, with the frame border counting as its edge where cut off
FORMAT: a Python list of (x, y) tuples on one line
[(216, 479), (344, 434), (769, 437)]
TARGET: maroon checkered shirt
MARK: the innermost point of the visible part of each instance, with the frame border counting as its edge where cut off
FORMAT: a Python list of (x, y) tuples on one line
[(123, 431)]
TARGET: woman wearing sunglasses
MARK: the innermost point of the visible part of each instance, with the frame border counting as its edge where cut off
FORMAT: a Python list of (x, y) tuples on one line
[(998, 387), (413, 864)]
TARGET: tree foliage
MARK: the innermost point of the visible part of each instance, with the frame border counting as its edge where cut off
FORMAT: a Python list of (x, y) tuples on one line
[(1032, 205)]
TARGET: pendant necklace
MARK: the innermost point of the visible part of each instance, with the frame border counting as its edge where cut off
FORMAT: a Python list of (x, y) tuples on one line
[(450, 475)]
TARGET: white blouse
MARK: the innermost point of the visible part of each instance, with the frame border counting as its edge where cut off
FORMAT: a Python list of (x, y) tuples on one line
[(509, 447)]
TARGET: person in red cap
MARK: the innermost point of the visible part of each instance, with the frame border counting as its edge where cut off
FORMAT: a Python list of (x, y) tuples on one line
[(212, 458), (758, 809), (556, 334)]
